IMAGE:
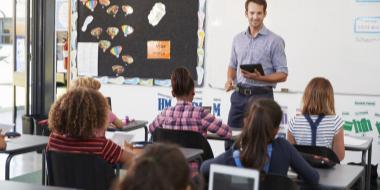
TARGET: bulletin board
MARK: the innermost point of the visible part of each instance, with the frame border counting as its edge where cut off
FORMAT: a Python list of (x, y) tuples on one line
[(145, 39)]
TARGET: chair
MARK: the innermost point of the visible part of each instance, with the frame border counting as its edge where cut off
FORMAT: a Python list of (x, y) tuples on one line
[(78, 170), (187, 139), (318, 150), (274, 182)]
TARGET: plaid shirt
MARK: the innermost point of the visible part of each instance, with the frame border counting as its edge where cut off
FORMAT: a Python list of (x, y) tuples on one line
[(185, 117)]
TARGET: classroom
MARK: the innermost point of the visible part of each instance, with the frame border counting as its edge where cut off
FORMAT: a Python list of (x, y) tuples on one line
[(201, 94)]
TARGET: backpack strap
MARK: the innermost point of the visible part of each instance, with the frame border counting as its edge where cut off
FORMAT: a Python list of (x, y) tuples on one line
[(314, 126)]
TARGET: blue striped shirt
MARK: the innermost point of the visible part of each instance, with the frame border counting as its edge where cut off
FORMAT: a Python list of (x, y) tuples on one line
[(266, 48), (327, 129)]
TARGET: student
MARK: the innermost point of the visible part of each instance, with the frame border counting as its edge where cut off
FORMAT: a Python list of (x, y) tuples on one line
[(257, 148), (76, 119), (184, 116), (159, 167), (88, 82), (318, 108), (3, 144)]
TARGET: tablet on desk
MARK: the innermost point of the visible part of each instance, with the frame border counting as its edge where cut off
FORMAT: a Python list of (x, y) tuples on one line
[(252, 67)]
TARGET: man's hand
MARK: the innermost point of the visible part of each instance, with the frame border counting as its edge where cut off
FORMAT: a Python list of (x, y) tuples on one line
[(229, 85), (253, 76)]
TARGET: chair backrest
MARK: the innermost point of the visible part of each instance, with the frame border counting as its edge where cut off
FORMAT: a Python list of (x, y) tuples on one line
[(187, 139), (78, 170), (274, 182), (318, 150)]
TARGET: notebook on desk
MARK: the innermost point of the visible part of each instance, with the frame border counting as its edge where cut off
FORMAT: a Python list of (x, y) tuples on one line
[(5, 128), (233, 178)]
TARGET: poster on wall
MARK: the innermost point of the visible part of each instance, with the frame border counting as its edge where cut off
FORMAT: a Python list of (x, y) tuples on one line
[(144, 39)]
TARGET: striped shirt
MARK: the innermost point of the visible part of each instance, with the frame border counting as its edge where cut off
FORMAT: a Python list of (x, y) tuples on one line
[(186, 117), (100, 146), (300, 128)]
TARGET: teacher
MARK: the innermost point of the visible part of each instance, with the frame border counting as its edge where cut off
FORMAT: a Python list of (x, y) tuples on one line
[(256, 45)]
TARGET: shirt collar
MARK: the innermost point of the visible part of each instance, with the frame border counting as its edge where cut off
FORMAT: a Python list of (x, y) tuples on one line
[(263, 31), (182, 102)]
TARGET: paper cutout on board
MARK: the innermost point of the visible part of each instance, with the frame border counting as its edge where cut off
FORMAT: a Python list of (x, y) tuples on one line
[(146, 82), (118, 80), (118, 70), (96, 32), (132, 81), (163, 82), (86, 22), (156, 13), (201, 54), (201, 38), (112, 32), (127, 10), (104, 3), (201, 19), (116, 51), (127, 59), (87, 63), (200, 73), (112, 10), (104, 45), (158, 50), (83, 2), (91, 4), (127, 30)]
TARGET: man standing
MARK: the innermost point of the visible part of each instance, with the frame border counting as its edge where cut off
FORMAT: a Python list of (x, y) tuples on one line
[(256, 45)]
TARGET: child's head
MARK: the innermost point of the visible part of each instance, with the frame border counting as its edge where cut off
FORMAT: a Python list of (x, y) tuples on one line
[(78, 113), (182, 83), (159, 167), (86, 82), (318, 97), (261, 123)]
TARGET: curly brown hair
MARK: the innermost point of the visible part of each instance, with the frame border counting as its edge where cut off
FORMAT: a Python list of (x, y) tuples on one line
[(78, 113), (86, 82)]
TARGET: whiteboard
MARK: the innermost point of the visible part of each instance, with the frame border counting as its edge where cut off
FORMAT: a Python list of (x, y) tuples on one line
[(336, 39)]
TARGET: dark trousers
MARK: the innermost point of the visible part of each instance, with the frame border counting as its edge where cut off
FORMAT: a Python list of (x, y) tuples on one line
[(238, 107)]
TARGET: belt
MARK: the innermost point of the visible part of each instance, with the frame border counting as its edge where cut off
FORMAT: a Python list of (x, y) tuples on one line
[(255, 90)]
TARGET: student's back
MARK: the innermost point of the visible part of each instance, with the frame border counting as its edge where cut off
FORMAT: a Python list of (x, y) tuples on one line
[(318, 117)]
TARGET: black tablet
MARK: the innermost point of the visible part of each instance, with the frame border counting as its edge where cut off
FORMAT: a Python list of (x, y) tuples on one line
[(252, 67)]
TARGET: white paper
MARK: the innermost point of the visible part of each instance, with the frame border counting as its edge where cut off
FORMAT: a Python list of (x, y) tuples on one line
[(87, 58), (119, 137), (348, 140), (5, 128), (236, 133)]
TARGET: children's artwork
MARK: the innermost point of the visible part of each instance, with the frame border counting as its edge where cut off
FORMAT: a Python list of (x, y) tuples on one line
[(112, 10), (127, 10), (127, 59), (104, 45), (158, 11), (112, 32), (104, 3), (96, 32), (87, 21), (127, 30), (116, 51), (118, 69), (91, 4)]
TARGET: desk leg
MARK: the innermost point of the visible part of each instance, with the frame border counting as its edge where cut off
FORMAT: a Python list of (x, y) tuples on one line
[(368, 171), (43, 167), (146, 133), (7, 165)]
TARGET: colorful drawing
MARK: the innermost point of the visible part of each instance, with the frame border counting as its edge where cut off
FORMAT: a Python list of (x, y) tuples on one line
[(112, 10), (104, 3), (104, 45), (362, 126), (91, 4), (127, 10), (127, 30), (96, 32), (112, 32), (116, 51), (127, 59), (118, 69)]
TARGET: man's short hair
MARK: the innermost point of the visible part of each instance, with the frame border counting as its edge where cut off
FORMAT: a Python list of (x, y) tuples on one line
[(259, 2)]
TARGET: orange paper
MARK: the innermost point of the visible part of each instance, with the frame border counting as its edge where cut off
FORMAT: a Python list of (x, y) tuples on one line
[(158, 50)]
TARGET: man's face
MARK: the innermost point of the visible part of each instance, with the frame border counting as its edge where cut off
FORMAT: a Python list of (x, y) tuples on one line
[(255, 14)]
